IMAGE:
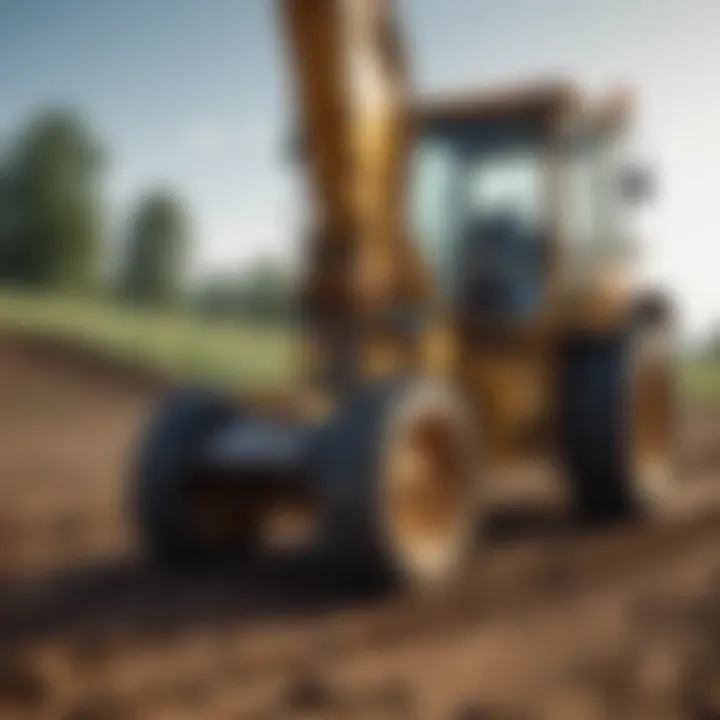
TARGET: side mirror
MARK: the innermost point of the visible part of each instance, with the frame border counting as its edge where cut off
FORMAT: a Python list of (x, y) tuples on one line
[(638, 184)]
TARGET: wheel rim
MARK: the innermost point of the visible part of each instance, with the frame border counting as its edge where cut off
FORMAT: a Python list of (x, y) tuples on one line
[(653, 405), (429, 486)]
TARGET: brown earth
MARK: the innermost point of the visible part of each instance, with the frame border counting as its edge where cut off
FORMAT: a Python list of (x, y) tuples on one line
[(551, 621)]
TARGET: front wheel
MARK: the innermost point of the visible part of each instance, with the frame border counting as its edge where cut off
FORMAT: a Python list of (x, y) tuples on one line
[(617, 421), (400, 484)]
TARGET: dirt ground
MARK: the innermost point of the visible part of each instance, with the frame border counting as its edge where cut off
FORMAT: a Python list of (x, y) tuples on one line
[(551, 621)]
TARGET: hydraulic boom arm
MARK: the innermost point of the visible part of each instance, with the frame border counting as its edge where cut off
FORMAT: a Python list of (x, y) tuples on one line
[(354, 112)]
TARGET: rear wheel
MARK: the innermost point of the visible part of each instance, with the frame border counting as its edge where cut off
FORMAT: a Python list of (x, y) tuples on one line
[(399, 479), (617, 416), (181, 520)]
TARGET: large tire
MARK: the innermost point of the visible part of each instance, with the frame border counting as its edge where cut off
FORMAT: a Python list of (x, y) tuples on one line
[(605, 420), (167, 468), (368, 529)]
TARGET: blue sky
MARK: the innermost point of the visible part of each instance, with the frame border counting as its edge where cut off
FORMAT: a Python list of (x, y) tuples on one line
[(192, 93)]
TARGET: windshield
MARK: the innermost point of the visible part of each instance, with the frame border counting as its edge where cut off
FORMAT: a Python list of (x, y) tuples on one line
[(471, 184), (510, 184)]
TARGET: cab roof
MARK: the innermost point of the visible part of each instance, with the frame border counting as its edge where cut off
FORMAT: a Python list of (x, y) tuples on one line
[(546, 100)]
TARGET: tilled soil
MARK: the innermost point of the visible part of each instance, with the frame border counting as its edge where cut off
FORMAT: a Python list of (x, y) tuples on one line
[(551, 621)]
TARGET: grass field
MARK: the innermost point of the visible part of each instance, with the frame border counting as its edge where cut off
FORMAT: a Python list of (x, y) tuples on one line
[(198, 349), (701, 381), (172, 342)]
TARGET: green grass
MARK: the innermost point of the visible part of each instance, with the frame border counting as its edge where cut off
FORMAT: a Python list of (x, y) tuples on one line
[(171, 342), (197, 349), (700, 381)]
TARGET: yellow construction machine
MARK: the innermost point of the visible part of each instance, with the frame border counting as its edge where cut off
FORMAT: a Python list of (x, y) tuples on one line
[(468, 303)]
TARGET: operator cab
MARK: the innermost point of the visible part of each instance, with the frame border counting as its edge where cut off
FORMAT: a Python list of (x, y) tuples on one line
[(497, 179), (479, 211)]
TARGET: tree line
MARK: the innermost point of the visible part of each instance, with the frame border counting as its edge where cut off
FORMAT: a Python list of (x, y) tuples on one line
[(55, 230)]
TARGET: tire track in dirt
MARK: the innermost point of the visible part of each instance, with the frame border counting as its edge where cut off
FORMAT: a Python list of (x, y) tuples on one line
[(268, 663), (99, 618)]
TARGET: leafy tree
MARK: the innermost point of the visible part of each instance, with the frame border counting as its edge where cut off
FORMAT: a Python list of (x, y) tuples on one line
[(13, 251), (50, 214), (156, 250)]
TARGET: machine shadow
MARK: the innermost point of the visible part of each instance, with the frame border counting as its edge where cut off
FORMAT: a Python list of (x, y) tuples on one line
[(530, 521), (124, 598)]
